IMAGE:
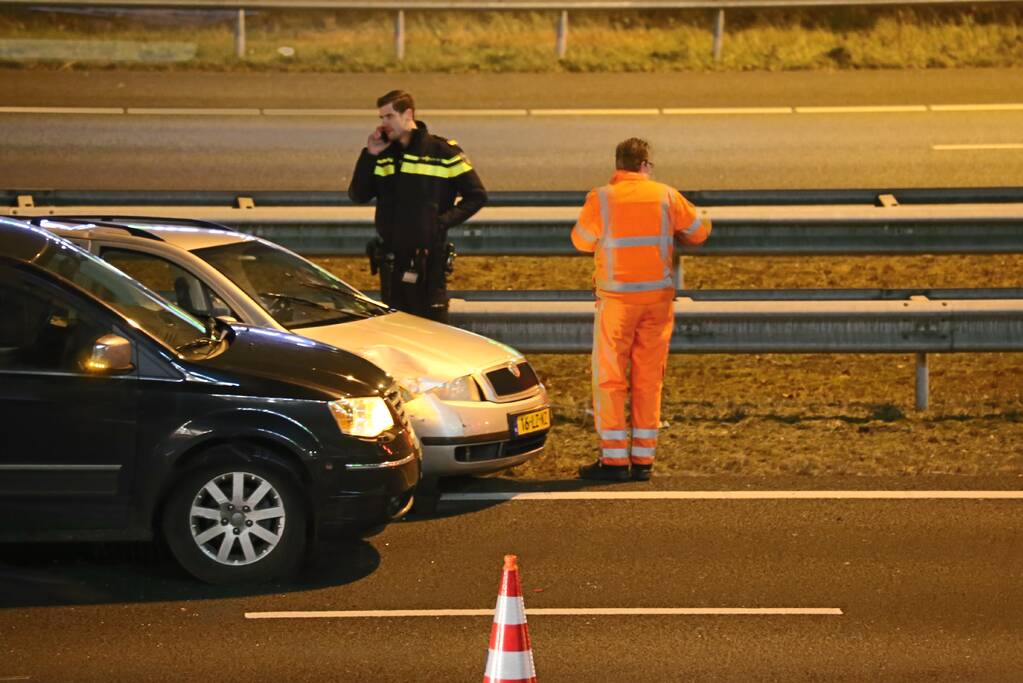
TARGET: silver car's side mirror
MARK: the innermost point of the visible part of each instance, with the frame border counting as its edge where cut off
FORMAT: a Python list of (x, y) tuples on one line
[(110, 355)]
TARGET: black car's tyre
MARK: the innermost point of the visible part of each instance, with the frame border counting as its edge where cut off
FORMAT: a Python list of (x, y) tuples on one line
[(237, 517)]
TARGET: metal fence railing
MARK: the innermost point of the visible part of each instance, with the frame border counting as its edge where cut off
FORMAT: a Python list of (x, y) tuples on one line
[(983, 220), (917, 325), (562, 7)]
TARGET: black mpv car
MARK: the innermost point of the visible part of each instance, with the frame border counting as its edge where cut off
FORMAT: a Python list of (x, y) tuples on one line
[(122, 417)]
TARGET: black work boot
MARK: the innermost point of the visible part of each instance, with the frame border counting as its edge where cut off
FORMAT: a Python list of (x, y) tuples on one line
[(641, 472), (602, 472)]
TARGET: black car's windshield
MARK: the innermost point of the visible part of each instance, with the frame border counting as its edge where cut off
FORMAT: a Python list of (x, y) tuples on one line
[(141, 308), (295, 292)]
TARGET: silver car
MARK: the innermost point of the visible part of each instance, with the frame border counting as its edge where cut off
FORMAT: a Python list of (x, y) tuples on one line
[(475, 403)]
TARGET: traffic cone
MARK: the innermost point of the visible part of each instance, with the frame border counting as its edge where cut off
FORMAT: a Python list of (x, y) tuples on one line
[(511, 655)]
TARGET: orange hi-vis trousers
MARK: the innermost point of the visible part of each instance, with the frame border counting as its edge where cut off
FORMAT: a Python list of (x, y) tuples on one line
[(629, 334)]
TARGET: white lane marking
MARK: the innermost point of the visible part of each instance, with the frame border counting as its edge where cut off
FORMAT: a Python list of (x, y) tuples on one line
[(191, 111), (319, 112), (726, 111), (594, 112), (1007, 106), (668, 111), (733, 495), (964, 148), (61, 110), (894, 109), (475, 112), (556, 612)]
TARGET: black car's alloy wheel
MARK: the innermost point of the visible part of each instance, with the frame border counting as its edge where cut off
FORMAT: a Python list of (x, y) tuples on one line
[(237, 521)]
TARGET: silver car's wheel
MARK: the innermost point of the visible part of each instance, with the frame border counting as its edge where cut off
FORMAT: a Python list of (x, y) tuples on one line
[(237, 518)]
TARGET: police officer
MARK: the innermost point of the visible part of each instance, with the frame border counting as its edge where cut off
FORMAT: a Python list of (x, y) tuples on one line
[(423, 185)]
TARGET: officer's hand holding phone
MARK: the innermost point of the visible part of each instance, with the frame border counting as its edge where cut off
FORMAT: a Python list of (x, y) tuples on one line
[(377, 141)]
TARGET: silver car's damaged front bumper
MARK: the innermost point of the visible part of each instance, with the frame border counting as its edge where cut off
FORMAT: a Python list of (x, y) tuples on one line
[(474, 437)]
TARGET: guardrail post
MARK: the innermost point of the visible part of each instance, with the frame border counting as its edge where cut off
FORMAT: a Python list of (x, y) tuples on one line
[(239, 35), (399, 35), (562, 43), (921, 381), (719, 33)]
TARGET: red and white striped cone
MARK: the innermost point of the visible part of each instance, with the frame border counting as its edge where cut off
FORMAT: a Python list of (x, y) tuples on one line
[(511, 655)]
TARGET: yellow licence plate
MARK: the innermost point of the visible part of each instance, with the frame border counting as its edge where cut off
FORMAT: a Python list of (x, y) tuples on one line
[(532, 422)]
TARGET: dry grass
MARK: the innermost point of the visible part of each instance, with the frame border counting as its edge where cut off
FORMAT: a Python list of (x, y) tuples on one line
[(790, 414), (599, 41), (732, 272)]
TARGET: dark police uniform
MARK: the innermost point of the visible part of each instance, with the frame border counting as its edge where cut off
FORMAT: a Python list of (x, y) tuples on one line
[(416, 190)]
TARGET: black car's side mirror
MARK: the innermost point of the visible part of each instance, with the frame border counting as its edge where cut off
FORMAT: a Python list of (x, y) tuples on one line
[(110, 355)]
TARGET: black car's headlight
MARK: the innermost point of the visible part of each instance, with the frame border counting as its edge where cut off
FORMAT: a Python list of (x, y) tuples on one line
[(367, 416)]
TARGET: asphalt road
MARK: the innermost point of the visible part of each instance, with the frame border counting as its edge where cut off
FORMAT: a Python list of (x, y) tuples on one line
[(928, 590), (796, 149)]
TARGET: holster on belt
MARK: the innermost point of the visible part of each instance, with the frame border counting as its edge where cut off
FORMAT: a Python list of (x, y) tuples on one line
[(375, 254)]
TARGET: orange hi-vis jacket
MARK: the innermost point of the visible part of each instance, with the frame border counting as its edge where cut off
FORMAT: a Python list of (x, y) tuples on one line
[(631, 225)]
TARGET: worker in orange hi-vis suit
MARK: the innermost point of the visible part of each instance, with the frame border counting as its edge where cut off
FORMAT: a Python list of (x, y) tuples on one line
[(631, 226)]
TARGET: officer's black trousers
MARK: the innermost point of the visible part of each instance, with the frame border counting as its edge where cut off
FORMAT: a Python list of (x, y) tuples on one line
[(426, 297)]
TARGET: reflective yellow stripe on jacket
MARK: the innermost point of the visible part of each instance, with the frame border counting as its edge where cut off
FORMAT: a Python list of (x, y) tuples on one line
[(435, 167)]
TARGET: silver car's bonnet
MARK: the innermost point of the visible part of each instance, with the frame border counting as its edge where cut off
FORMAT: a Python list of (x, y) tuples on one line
[(414, 348)]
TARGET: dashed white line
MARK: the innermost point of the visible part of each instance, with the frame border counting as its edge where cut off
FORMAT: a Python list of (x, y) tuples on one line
[(666, 111), (730, 495), (1007, 106), (190, 111), (595, 112), (61, 110), (895, 109), (473, 112), (555, 612), (725, 111), (319, 112), (965, 148)]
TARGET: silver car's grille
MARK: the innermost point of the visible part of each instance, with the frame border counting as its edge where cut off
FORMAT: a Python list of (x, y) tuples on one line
[(507, 381)]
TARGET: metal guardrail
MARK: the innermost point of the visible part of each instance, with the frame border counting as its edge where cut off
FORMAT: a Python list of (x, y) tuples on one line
[(399, 7), (918, 325), (842, 222), (60, 199), (776, 295)]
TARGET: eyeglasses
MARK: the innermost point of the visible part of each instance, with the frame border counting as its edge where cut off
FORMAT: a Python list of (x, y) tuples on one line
[(648, 163)]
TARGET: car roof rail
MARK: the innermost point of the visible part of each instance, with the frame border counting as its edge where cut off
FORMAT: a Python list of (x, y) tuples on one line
[(96, 222), (117, 220)]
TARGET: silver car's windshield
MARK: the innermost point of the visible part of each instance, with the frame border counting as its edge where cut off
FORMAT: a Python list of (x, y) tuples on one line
[(140, 308), (295, 292)]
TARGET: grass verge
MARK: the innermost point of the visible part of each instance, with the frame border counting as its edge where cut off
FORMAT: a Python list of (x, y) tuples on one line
[(624, 41)]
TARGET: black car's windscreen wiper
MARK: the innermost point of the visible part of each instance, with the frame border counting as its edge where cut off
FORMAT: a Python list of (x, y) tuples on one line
[(198, 342)]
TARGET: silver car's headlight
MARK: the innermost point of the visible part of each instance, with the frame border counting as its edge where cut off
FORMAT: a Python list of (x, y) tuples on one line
[(459, 389), (366, 417)]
